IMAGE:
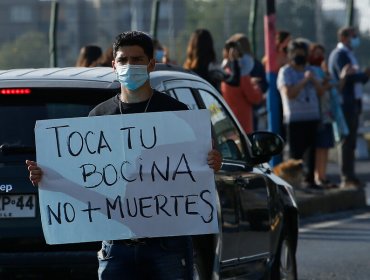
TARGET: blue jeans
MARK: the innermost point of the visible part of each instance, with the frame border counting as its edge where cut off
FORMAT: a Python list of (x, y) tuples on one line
[(164, 258)]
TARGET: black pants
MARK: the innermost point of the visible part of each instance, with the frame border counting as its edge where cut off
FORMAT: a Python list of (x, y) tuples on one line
[(348, 146), (301, 140)]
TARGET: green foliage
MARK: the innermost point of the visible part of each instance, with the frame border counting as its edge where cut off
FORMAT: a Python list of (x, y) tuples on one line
[(221, 17), (226, 17), (29, 50), (297, 17)]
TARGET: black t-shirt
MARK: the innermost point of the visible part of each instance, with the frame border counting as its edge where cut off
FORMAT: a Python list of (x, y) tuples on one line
[(158, 103)]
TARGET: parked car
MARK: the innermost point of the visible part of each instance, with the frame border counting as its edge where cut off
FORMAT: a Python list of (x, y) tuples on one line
[(257, 212)]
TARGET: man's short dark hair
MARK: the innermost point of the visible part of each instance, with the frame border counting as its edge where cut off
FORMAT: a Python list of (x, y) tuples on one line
[(345, 31), (134, 38)]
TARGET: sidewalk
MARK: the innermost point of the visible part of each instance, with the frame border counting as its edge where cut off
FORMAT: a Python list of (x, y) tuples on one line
[(328, 201)]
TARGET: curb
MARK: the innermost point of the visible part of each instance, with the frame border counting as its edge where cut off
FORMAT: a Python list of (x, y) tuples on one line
[(324, 202)]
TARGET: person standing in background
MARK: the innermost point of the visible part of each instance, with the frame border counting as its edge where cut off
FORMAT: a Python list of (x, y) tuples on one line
[(162, 53), (300, 89), (351, 94), (158, 51), (89, 56), (325, 134), (249, 65), (201, 58), (167, 57), (242, 98)]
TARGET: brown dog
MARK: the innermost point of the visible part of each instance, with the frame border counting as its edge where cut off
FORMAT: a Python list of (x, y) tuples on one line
[(291, 171)]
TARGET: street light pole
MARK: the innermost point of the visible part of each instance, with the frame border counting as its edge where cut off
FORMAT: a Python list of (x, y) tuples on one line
[(53, 34), (252, 24), (154, 19), (349, 9), (273, 96)]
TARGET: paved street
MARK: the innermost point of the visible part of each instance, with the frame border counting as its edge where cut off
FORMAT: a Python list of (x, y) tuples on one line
[(362, 169), (335, 247), (317, 203)]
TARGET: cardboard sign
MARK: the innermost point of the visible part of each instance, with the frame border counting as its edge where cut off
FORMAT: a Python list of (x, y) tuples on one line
[(126, 176)]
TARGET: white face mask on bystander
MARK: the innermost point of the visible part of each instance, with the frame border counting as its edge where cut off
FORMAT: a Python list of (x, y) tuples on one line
[(355, 42)]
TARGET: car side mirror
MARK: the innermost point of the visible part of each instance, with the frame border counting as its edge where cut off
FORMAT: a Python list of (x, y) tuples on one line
[(265, 144)]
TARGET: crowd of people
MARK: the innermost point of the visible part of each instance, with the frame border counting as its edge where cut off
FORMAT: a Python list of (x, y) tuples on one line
[(321, 103), (320, 99)]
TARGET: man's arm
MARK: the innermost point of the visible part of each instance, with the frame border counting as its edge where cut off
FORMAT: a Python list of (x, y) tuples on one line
[(358, 77), (354, 76)]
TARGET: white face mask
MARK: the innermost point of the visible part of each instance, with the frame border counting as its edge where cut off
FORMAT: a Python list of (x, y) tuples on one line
[(246, 63), (355, 42), (159, 54), (132, 76)]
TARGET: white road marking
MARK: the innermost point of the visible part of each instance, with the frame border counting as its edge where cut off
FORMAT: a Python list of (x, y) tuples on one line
[(316, 226)]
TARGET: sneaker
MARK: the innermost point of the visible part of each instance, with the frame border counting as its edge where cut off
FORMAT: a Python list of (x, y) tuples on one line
[(327, 184), (315, 186), (351, 183), (312, 186)]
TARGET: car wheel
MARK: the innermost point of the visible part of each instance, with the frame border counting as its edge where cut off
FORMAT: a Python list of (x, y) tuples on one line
[(285, 265)]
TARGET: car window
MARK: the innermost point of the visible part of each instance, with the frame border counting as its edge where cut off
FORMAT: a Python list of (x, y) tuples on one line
[(185, 96), (226, 132)]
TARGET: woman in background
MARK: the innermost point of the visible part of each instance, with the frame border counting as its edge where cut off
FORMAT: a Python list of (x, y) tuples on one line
[(89, 56), (300, 88), (242, 98), (201, 59)]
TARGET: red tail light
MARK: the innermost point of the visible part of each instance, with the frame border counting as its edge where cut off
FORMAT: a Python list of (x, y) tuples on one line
[(15, 91)]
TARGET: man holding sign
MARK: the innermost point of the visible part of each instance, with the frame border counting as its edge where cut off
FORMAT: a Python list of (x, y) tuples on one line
[(144, 258)]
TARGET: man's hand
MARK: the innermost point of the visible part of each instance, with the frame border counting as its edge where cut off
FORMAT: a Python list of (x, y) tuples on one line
[(35, 172), (214, 160), (347, 70)]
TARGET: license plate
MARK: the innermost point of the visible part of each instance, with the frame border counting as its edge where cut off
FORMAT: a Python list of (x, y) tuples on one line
[(18, 206)]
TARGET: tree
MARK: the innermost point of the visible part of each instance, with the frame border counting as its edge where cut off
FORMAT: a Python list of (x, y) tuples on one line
[(221, 17), (298, 17), (29, 50)]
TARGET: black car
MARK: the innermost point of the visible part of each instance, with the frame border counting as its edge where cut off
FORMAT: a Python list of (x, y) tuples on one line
[(258, 215)]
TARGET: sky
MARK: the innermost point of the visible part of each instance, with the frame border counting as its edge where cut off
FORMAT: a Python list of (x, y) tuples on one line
[(362, 6)]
